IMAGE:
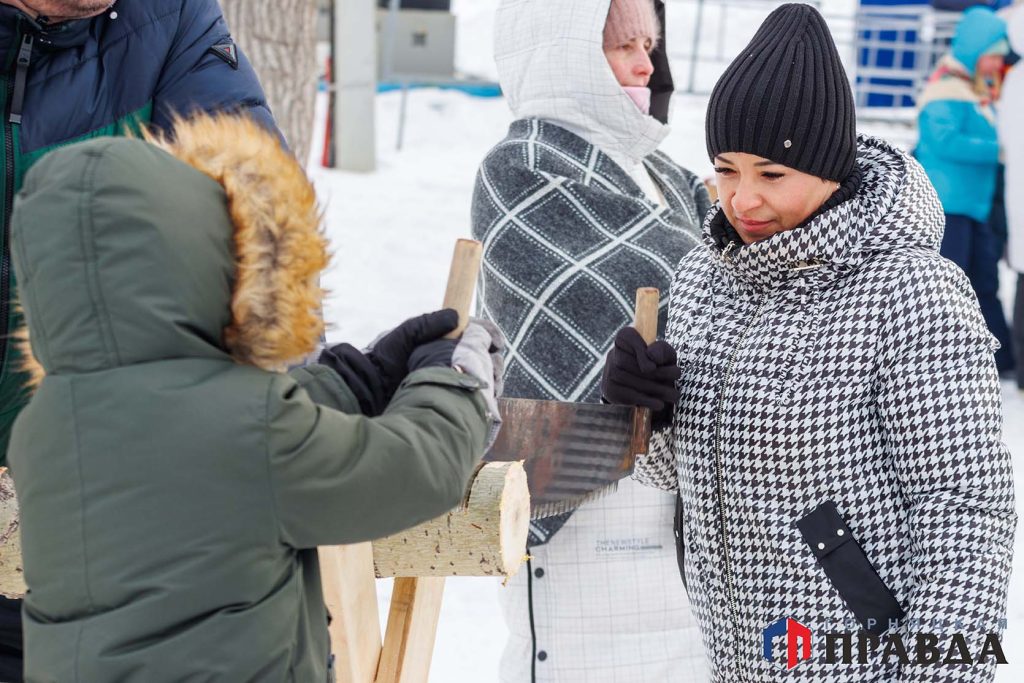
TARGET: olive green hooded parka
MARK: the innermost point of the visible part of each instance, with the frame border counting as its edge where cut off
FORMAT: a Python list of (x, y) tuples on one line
[(173, 487)]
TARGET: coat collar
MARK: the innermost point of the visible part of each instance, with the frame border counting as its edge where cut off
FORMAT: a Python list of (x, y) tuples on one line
[(605, 166), (61, 36), (886, 205)]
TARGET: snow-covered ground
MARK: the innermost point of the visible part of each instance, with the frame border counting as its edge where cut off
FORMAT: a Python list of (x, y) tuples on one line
[(392, 233)]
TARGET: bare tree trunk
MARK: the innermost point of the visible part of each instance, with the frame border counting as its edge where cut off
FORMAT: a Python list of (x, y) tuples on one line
[(279, 37)]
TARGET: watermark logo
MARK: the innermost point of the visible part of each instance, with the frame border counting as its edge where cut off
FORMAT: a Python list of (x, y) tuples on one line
[(798, 641), (904, 646)]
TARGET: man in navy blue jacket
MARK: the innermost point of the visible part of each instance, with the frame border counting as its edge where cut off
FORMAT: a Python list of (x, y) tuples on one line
[(77, 69)]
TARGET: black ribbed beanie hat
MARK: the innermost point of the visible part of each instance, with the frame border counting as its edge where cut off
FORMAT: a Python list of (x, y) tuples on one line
[(786, 98)]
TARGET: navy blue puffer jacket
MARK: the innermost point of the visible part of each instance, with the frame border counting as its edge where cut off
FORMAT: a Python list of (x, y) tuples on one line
[(138, 63)]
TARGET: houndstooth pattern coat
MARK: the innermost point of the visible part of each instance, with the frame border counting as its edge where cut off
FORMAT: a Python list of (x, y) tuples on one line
[(838, 445)]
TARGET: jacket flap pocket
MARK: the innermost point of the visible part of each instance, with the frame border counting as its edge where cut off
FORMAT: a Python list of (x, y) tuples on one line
[(849, 569), (824, 529)]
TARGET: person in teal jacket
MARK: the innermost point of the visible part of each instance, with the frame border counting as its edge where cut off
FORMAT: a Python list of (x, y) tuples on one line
[(959, 149), (174, 482)]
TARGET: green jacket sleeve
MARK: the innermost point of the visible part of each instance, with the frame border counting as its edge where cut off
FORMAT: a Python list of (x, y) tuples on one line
[(339, 478), (326, 388)]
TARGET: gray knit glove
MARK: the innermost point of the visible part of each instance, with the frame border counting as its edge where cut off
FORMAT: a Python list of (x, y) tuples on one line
[(475, 355), (497, 351)]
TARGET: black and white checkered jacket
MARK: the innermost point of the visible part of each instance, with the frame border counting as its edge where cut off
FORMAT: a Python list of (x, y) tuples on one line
[(838, 445)]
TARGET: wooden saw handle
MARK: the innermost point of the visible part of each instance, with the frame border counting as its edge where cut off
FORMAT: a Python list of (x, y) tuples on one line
[(462, 281), (646, 313)]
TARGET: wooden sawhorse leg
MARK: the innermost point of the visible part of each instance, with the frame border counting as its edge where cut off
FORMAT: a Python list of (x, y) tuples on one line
[(350, 591)]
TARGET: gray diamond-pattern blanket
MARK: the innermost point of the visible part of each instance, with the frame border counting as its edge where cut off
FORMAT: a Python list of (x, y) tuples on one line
[(842, 362), (568, 238)]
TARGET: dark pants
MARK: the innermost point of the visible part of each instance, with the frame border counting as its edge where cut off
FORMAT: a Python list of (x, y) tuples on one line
[(976, 248), (11, 653)]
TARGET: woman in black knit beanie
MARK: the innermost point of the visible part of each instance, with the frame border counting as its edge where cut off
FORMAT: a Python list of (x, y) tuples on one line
[(836, 427)]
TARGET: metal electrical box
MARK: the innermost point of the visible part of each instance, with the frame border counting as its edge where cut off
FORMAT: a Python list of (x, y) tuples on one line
[(421, 41)]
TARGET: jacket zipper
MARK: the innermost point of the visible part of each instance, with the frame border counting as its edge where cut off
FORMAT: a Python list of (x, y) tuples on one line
[(719, 475), (15, 86), (17, 102), (533, 630)]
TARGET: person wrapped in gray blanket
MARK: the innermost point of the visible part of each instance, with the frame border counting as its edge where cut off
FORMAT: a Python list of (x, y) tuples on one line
[(577, 208)]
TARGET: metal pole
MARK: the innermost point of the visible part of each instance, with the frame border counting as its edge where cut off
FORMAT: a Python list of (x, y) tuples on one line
[(390, 28), (329, 158), (402, 116), (388, 70), (355, 56), (696, 46), (723, 10)]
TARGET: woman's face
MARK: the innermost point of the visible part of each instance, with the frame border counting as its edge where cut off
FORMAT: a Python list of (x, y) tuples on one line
[(631, 62), (761, 198)]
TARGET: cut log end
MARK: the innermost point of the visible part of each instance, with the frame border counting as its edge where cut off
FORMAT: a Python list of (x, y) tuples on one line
[(515, 518), (486, 536)]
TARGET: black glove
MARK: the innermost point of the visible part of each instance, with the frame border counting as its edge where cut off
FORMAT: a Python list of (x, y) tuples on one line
[(361, 376), (374, 376), (435, 354), (441, 353), (640, 375), (392, 353)]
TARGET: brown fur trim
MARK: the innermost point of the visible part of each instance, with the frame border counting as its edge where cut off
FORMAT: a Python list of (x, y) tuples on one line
[(279, 241), (29, 365)]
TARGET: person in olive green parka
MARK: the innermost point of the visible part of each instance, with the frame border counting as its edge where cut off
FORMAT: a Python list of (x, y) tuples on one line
[(173, 483)]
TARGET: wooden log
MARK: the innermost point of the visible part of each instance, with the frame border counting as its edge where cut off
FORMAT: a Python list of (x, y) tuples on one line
[(486, 536), (12, 577), (412, 628), (350, 592)]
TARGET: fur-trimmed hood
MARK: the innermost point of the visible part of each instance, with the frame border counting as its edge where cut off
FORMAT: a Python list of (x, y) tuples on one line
[(206, 245)]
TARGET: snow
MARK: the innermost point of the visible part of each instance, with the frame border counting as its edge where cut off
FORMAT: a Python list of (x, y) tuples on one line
[(393, 231)]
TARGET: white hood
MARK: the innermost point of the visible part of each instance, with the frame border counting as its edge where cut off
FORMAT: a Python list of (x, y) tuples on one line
[(551, 66), (1015, 29)]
